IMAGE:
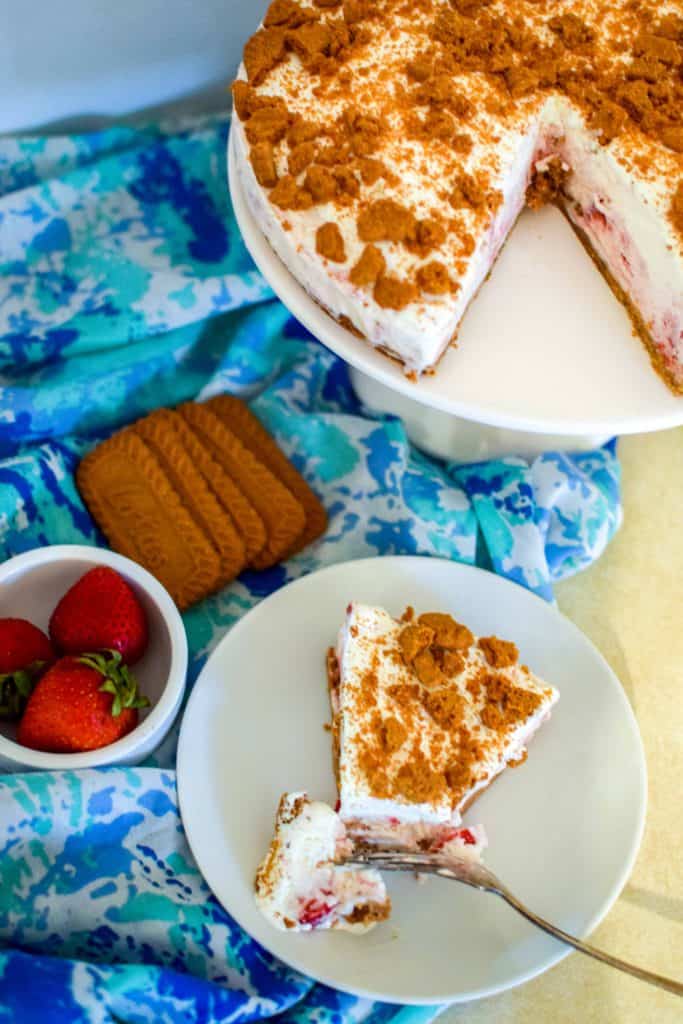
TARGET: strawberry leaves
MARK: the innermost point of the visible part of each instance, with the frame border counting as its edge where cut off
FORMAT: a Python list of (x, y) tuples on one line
[(119, 681), (16, 688)]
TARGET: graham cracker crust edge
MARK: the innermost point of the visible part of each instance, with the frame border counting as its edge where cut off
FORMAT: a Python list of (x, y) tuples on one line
[(640, 329), (332, 665)]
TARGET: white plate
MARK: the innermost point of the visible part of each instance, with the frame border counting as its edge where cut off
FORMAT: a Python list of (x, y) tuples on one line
[(545, 346), (564, 828)]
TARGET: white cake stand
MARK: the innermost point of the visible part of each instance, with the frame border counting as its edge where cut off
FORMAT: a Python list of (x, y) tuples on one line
[(546, 357)]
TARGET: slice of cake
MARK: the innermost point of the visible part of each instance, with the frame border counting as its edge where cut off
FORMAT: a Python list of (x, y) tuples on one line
[(425, 716), (386, 148), (301, 885)]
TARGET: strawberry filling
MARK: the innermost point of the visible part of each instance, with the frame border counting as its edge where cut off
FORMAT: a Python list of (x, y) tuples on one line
[(596, 217), (314, 912), (448, 835)]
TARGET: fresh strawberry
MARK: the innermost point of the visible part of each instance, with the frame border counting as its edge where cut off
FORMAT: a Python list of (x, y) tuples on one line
[(100, 612), (25, 652), (80, 704)]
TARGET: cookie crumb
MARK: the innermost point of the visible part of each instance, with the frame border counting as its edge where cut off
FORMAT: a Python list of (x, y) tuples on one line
[(329, 242)]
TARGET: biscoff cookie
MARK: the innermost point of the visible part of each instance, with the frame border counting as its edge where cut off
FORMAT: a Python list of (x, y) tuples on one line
[(281, 512), (141, 514), (247, 520), (194, 492), (239, 418)]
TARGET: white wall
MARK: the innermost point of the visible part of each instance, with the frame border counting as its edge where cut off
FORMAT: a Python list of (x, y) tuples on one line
[(78, 60)]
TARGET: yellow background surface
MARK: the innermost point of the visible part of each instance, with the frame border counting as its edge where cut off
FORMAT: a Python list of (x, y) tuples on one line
[(630, 604)]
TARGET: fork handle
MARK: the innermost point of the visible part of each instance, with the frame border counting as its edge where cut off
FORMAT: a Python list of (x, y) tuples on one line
[(583, 947)]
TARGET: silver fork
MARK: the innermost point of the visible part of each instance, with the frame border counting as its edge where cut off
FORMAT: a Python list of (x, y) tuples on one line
[(480, 877)]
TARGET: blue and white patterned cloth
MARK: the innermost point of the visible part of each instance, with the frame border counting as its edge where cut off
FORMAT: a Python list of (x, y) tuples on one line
[(124, 286)]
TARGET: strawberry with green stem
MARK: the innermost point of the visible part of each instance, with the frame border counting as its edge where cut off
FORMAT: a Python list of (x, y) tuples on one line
[(25, 652), (81, 703)]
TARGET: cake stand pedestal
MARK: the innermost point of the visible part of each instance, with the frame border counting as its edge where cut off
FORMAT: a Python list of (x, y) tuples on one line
[(545, 357), (461, 440)]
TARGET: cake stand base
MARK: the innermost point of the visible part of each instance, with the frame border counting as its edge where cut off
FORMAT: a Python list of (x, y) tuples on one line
[(460, 440)]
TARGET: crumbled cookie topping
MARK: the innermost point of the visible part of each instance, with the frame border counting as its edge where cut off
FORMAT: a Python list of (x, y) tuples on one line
[(262, 158), (499, 653), (447, 632), (393, 293), (386, 221), (329, 242), (369, 267)]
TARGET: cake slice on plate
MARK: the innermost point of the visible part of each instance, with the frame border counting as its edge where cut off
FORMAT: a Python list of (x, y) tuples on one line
[(425, 716), (301, 885)]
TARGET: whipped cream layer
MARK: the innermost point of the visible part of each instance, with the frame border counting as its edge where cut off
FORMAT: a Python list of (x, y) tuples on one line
[(415, 754), (300, 887), (630, 180)]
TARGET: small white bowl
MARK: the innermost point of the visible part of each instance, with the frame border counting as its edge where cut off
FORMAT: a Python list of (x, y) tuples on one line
[(30, 587)]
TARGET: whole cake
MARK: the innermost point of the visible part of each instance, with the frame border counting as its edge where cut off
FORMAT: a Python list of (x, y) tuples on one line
[(387, 147)]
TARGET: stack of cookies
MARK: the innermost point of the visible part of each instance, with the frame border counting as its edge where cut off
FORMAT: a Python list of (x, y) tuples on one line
[(198, 494)]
